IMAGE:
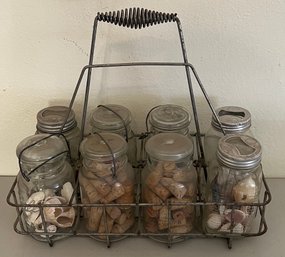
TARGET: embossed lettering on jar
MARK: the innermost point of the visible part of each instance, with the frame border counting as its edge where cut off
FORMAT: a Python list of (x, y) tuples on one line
[(238, 180)]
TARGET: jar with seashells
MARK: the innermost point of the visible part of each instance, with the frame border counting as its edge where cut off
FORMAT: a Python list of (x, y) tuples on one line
[(107, 178), (235, 120), (235, 189), (47, 178), (114, 118), (169, 185)]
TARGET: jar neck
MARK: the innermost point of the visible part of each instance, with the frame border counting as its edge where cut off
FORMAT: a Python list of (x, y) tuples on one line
[(184, 162), (120, 131)]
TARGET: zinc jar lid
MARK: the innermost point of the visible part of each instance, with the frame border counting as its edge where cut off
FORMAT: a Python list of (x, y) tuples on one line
[(50, 119), (45, 149), (239, 151), (94, 147), (169, 146), (169, 117), (233, 118), (104, 119)]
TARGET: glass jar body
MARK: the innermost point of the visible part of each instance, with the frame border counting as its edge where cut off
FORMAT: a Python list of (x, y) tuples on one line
[(98, 185), (211, 141), (50, 184), (73, 138), (132, 142), (169, 182), (232, 186)]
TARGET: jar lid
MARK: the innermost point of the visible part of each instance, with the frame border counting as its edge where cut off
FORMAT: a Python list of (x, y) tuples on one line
[(169, 117), (239, 151), (50, 119), (233, 118), (105, 119), (169, 146), (44, 150), (93, 147)]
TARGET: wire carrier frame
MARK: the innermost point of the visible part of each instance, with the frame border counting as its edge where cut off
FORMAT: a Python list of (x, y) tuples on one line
[(139, 18)]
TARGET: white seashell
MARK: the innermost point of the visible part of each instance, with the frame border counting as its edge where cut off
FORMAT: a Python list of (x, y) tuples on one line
[(222, 209), (214, 221), (245, 191), (235, 216), (67, 191), (225, 228), (34, 219), (238, 228), (50, 229), (35, 198)]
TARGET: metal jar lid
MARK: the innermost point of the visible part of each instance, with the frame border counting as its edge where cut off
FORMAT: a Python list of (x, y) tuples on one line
[(233, 118), (169, 117), (106, 120), (239, 151), (94, 147), (46, 148), (50, 119), (169, 147)]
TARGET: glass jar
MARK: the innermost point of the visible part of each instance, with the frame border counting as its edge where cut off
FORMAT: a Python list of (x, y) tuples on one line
[(50, 120), (235, 120), (169, 118), (107, 178), (44, 179), (238, 180), (169, 177), (106, 119)]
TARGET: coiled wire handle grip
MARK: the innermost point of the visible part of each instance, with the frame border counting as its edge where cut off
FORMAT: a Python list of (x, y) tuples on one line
[(136, 17)]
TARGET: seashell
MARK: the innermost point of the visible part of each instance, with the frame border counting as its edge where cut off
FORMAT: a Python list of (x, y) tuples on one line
[(62, 217), (235, 216), (34, 219), (35, 198), (50, 229), (245, 191), (214, 221), (222, 209), (178, 190), (67, 191), (225, 228), (238, 228)]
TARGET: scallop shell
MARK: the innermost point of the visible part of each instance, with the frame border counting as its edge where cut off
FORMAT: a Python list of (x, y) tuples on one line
[(245, 191), (67, 191), (225, 228), (238, 228), (214, 221)]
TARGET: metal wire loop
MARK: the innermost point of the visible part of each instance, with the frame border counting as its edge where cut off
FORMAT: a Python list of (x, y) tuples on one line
[(136, 17), (114, 168), (147, 117), (120, 117), (26, 176)]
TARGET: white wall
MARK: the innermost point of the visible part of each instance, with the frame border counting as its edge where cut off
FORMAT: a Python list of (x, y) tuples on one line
[(238, 48)]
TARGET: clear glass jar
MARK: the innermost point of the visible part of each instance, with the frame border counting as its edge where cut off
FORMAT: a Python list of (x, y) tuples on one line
[(50, 120), (235, 120), (238, 180), (105, 180), (169, 177), (105, 120), (169, 118), (51, 183)]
